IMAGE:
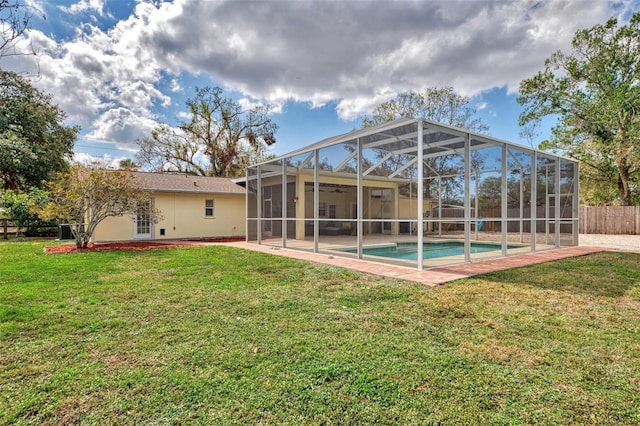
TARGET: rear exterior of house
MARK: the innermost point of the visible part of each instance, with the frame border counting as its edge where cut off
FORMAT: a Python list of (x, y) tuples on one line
[(192, 207)]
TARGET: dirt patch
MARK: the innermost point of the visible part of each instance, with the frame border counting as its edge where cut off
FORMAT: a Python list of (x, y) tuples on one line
[(129, 245), (137, 245)]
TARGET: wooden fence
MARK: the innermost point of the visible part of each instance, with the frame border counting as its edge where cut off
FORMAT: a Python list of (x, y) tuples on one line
[(612, 220)]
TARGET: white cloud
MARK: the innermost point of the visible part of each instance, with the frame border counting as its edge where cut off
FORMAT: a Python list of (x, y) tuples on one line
[(247, 104), (352, 108), (121, 126), (356, 53), (83, 6), (350, 51), (183, 115), (105, 160), (321, 51), (176, 87), (138, 95)]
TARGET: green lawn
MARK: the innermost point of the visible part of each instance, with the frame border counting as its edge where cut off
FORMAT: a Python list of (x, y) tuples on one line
[(215, 335)]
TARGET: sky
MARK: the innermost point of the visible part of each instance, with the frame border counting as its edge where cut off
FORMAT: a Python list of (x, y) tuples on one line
[(118, 68)]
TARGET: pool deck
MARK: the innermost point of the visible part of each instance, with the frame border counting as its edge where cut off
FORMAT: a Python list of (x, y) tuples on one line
[(430, 277)]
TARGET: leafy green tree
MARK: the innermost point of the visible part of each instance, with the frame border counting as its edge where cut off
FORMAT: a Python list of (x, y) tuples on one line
[(19, 206), (441, 104), (490, 193), (220, 139), (34, 141), (595, 92), (84, 197)]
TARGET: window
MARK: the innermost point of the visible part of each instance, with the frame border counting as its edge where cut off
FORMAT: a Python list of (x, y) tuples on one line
[(208, 208), (332, 211), (322, 209)]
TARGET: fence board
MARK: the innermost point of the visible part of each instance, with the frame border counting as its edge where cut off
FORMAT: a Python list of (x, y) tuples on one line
[(612, 220)]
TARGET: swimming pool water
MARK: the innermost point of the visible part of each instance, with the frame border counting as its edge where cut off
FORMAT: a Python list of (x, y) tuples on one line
[(431, 250)]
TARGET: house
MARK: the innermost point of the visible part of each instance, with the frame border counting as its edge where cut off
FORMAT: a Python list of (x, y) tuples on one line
[(191, 207), (416, 193)]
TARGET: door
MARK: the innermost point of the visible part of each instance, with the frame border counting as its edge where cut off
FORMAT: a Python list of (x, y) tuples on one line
[(142, 225), (267, 212)]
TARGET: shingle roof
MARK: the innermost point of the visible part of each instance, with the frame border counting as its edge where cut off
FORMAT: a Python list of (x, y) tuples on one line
[(173, 182)]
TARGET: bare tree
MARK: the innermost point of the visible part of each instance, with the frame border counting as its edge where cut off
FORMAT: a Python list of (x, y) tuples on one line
[(15, 21), (441, 104), (221, 139)]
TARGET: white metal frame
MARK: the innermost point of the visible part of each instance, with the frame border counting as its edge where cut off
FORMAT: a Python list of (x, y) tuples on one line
[(423, 140)]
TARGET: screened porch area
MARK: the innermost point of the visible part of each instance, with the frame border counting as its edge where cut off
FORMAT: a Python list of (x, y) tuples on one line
[(414, 193)]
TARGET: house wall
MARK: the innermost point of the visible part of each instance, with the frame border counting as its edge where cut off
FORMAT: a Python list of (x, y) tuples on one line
[(183, 217), (372, 208), (302, 208), (114, 229), (408, 208), (342, 201)]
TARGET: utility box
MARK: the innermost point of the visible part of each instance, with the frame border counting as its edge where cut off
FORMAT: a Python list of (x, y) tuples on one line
[(65, 232)]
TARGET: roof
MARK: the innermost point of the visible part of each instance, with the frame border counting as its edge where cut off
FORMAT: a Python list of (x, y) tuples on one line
[(400, 137), (174, 182), (355, 134)]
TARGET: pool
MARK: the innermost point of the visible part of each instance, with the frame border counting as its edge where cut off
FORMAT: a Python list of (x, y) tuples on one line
[(431, 249)]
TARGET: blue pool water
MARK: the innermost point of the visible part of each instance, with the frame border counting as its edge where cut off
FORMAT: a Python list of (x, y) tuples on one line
[(431, 250)]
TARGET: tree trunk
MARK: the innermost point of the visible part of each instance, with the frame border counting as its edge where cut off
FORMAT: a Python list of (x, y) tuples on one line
[(624, 193), (82, 238), (623, 185)]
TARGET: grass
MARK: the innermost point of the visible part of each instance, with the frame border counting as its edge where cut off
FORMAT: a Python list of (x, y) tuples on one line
[(215, 335)]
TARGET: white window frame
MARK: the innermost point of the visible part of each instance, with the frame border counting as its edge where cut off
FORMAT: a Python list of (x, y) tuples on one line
[(209, 209)]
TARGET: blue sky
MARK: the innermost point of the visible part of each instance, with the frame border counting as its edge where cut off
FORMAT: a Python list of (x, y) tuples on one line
[(119, 68)]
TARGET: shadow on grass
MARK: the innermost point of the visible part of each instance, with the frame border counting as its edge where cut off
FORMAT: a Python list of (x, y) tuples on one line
[(609, 274)]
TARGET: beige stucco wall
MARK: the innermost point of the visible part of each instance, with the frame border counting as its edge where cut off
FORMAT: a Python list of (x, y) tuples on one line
[(184, 217), (409, 207), (343, 201), (398, 207)]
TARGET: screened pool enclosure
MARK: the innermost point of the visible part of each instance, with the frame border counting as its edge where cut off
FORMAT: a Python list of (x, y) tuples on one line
[(414, 193)]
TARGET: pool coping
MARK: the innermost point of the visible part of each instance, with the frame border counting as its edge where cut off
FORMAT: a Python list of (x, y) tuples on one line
[(430, 246)]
